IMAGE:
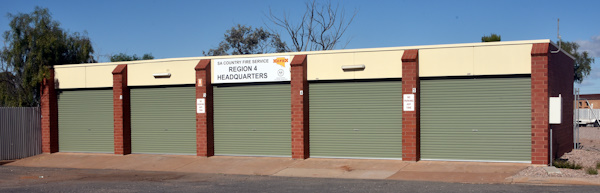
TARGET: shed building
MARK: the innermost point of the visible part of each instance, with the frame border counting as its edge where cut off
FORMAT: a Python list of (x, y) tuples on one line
[(462, 102)]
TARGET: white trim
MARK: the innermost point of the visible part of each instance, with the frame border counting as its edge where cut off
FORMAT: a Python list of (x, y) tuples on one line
[(494, 161)]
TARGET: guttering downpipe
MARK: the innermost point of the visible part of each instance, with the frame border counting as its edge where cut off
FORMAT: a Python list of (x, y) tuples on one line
[(557, 35)]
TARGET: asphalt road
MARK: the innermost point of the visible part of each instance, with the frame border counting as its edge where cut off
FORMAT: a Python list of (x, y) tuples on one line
[(24, 179)]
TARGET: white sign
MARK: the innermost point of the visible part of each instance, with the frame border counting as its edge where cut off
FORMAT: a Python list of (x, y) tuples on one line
[(408, 102), (200, 107), (260, 69)]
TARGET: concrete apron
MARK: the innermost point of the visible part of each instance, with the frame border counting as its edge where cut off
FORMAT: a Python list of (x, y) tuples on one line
[(465, 172)]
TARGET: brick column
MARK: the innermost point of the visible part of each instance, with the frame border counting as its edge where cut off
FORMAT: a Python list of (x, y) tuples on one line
[(299, 86), (122, 111), (539, 104), (411, 124), (204, 121), (49, 108)]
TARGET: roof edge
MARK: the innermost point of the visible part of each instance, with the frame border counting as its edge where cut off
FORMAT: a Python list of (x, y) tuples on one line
[(478, 44)]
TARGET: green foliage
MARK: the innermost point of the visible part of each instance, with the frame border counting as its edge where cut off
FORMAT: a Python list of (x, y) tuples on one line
[(243, 39), (583, 61), (33, 45), (491, 38), (124, 57), (591, 171), (597, 165), (566, 164)]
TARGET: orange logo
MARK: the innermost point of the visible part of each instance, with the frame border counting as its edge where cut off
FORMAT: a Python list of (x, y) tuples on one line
[(280, 61)]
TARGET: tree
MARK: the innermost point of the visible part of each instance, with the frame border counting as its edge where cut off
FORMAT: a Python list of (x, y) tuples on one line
[(583, 61), (491, 38), (243, 39), (321, 27), (35, 43), (124, 57)]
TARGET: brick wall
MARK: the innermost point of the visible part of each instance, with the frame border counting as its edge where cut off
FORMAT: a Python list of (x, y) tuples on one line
[(204, 121), (49, 108), (560, 71), (539, 104), (299, 83), (411, 126), (122, 111)]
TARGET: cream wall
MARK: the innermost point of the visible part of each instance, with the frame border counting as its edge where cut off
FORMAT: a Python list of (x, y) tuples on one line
[(492, 58), (84, 76), (139, 73), (182, 72), (381, 64), (475, 60)]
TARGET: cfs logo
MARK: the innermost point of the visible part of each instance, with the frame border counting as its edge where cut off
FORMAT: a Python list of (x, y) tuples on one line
[(281, 61)]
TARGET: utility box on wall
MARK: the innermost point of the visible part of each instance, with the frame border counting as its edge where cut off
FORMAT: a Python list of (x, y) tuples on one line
[(555, 110)]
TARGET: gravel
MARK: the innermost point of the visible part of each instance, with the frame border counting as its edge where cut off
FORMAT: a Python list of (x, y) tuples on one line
[(587, 156)]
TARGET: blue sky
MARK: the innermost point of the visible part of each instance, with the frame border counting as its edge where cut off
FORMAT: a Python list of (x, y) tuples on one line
[(170, 29)]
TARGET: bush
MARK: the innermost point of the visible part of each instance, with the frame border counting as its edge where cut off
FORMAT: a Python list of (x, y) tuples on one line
[(597, 165), (566, 164), (592, 171)]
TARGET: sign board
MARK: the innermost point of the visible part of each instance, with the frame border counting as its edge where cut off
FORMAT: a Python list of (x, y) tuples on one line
[(259, 69), (408, 102), (200, 106)]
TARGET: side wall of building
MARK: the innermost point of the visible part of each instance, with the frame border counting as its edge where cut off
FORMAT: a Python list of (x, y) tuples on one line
[(560, 82)]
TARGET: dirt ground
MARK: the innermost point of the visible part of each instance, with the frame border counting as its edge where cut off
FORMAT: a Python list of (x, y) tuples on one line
[(589, 137), (588, 156)]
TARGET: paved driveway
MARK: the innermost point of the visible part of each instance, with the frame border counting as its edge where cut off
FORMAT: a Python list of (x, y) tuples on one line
[(28, 179)]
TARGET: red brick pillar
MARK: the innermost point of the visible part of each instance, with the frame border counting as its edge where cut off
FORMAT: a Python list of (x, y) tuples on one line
[(539, 104), (411, 126), (122, 111), (204, 120), (299, 86), (49, 108)]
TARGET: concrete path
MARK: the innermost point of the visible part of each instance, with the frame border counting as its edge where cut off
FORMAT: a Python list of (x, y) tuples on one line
[(464, 172)]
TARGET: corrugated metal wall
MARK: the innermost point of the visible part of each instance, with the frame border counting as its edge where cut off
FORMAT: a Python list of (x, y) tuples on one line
[(20, 132), (253, 120), (85, 121), (163, 120), (486, 119), (356, 119)]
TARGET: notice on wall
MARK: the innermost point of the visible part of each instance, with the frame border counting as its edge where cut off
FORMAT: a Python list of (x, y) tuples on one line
[(200, 106), (408, 102), (259, 69)]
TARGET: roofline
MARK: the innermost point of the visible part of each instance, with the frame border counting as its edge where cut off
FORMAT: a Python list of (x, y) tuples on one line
[(560, 50), (421, 47)]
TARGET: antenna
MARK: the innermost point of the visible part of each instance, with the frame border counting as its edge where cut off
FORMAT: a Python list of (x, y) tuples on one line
[(558, 36)]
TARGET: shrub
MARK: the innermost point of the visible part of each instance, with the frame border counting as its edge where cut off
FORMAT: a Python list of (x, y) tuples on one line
[(592, 171), (566, 164), (597, 165)]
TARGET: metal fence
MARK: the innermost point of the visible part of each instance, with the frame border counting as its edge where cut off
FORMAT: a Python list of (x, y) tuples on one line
[(20, 132)]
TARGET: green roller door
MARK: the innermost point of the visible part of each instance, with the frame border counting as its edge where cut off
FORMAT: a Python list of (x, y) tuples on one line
[(85, 121), (487, 119), (356, 119), (163, 120), (252, 120)]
